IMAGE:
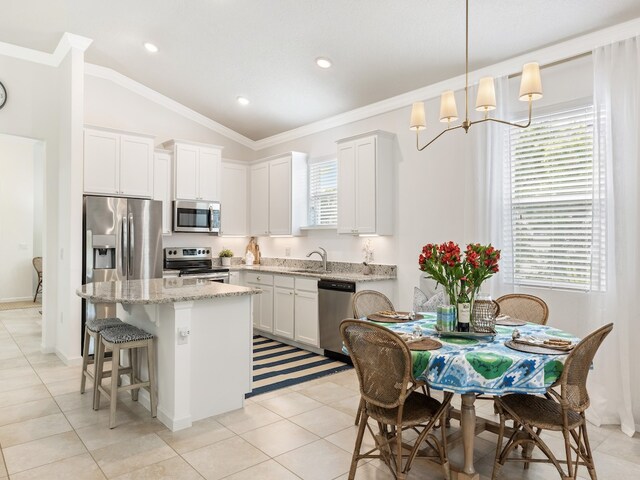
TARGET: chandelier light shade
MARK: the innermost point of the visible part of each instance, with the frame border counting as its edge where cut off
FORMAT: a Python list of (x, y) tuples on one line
[(448, 108), (530, 90), (486, 99), (531, 84), (418, 121)]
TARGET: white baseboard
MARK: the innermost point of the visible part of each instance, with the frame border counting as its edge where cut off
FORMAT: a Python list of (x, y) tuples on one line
[(17, 299), (70, 361)]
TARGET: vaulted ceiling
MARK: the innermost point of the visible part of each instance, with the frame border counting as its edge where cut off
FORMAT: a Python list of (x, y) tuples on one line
[(212, 51)]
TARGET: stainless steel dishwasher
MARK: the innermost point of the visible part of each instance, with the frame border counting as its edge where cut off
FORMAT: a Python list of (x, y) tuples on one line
[(334, 305)]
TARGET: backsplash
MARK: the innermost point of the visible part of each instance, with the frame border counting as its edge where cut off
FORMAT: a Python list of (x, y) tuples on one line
[(335, 267)]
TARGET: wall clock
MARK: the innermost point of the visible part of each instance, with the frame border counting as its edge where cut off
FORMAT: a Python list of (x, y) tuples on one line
[(3, 95)]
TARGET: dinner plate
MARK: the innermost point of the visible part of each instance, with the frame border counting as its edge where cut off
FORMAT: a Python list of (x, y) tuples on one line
[(507, 321), (541, 349), (376, 317)]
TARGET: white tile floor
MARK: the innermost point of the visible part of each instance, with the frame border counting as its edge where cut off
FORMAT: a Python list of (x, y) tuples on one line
[(49, 431)]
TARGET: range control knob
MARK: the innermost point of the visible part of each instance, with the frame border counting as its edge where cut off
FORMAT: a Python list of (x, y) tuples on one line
[(208, 252)]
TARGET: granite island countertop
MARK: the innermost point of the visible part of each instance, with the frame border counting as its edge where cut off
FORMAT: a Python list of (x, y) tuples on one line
[(160, 290)]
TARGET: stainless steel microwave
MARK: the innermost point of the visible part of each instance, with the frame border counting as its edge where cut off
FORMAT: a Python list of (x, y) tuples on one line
[(190, 216)]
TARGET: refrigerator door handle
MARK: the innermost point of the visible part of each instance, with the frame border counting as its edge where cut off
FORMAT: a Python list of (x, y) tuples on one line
[(131, 244), (125, 248)]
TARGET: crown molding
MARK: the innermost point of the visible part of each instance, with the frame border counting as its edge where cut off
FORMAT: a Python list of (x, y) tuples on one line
[(67, 42), (156, 97)]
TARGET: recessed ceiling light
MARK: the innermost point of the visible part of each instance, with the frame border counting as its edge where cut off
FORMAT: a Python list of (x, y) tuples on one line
[(323, 62), (151, 47), (243, 100)]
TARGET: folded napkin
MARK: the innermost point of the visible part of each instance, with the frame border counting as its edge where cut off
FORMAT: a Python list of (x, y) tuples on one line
[(394, 315), (553, 344)]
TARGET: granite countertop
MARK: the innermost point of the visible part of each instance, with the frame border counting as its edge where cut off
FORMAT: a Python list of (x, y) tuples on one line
[(160, 290), (348, 276)]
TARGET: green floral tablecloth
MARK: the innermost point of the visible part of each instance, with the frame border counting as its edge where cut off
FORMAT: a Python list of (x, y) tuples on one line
[(465, 365)]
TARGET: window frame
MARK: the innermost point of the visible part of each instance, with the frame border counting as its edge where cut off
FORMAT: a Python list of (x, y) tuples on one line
[(514, 205)]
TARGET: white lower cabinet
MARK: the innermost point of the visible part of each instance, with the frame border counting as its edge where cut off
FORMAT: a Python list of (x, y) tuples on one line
[(283, 307), (263, 303), (287, 307), (306, 311)]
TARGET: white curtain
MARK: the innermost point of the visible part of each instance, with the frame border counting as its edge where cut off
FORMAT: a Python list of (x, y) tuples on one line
[(614, 384), (493, 194)]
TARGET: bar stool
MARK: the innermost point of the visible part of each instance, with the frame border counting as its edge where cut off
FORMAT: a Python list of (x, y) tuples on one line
[(92, 329), (125, 337)]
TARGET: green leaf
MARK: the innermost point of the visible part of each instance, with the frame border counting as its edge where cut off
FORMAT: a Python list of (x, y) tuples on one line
[(489, 365)]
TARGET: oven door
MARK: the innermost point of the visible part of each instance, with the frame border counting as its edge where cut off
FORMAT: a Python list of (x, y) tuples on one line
[(196, 217)]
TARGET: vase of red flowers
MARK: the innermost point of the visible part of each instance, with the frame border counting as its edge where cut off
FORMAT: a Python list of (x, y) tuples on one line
[(451, 268)]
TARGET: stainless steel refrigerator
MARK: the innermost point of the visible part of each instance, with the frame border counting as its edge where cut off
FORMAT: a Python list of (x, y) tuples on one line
[(122, 241)]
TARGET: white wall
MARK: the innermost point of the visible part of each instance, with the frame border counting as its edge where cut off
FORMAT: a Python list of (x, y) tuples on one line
[(16, 217)]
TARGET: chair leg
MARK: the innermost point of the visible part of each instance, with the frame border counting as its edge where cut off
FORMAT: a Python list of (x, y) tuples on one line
[(37, 290), (588, 457), (153, 387), (134, 376), (356, 449), (85, 360), (99, 366), (115, 364), (359, 412)]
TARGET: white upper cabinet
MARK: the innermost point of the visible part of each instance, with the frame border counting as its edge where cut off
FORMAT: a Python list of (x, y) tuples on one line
[(233, 203), (366, 180), (118, 163), (278, 191), (162, 186), (259, 193), (197, 170)]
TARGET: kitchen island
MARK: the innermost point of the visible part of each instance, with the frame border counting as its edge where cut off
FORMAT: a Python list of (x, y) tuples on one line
[(203, 340)]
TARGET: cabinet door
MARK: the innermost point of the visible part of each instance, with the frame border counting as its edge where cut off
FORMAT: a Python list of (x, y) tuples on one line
[(233, 214), (366, 185), (162, 188), (266, 308), (101, 159), (283, 310), (186, 172), (209, 174), (306, 316), (256, 306), (280, 196), (136, 166), (346, 188), (259, 192)]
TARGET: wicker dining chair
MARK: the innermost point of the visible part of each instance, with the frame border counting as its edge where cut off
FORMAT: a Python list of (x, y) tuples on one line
[(366, 302), (561, 410), (383, 365), (524, 307), (37, 264)]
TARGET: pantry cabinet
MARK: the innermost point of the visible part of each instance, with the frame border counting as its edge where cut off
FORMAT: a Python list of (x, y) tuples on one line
[(366, 179), (118, 163), (197, 170), (278, 195)]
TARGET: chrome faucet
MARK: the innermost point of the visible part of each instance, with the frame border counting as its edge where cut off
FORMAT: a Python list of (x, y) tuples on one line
[(323, 254)]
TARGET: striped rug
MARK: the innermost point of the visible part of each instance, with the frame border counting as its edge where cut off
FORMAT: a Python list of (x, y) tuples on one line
[(276, 365)]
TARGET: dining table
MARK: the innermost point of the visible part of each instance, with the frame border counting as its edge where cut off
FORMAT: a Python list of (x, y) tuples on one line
[(472, 365)]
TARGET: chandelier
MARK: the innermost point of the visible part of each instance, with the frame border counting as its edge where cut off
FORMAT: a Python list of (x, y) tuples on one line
[(530, 90)]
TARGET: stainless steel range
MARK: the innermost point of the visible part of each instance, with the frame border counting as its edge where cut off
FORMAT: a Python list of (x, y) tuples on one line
[(194, 262)]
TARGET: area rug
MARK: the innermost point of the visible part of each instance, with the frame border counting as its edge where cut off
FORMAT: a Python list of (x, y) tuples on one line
[(277, 365), (19, 305)]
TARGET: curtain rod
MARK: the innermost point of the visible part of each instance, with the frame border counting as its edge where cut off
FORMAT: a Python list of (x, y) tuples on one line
[(557, 62)]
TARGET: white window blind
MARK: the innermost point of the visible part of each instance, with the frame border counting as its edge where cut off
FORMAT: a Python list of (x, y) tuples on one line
[(552, 200), (323, 192)]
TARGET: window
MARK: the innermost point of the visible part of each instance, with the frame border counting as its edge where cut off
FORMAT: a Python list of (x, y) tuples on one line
[(551, 175), (323, 192)]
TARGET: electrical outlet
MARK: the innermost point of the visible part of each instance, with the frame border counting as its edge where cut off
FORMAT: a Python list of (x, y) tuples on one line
[(287, 252), (183, 336)]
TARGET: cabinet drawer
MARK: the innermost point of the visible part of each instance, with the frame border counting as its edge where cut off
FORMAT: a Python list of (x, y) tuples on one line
[(285, 282), (259, 278), (307, 284)]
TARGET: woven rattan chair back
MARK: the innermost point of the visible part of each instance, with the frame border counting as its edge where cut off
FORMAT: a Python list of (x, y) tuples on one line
[(524, 307), (37, 264), (382, 362), (573, 381), (367, 302)]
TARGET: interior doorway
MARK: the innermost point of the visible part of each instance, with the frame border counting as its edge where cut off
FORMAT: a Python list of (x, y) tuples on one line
[(22, 219)]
